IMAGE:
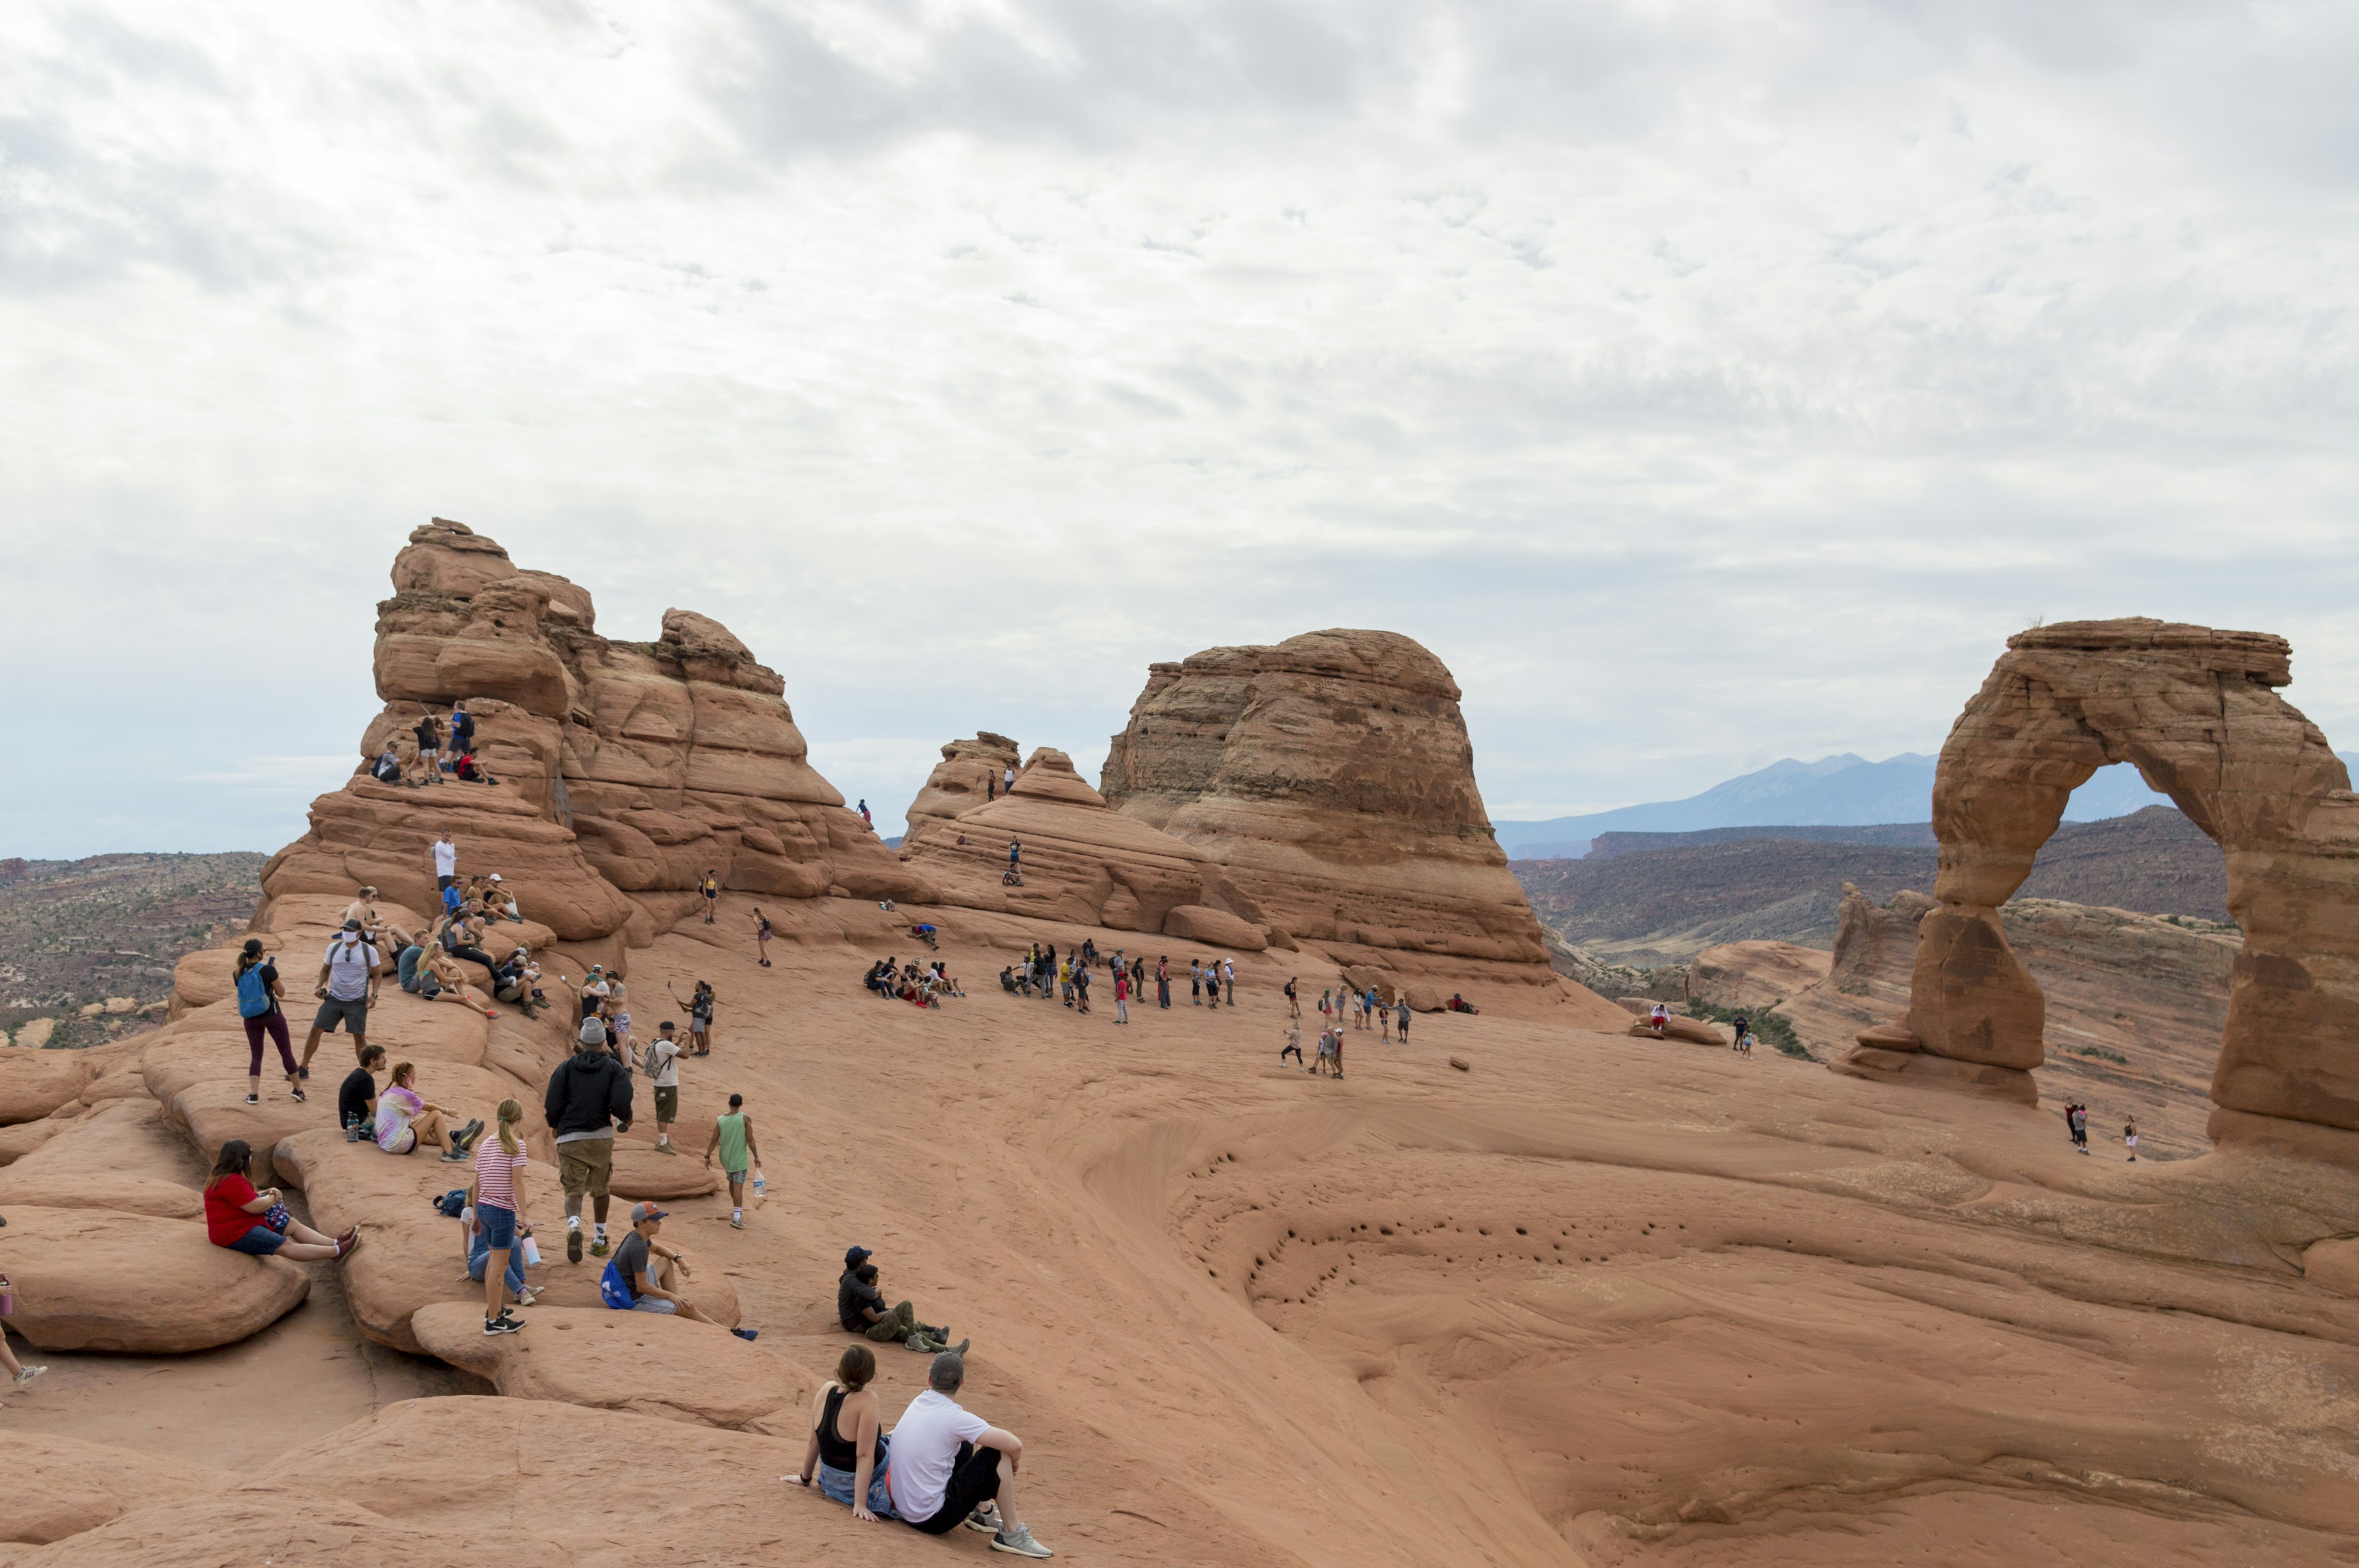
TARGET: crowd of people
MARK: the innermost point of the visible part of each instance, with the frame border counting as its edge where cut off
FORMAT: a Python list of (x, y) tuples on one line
[(435, 758)]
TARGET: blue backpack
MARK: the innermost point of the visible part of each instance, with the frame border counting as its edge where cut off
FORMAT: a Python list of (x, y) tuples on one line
[(253, 996), (613, 1289)]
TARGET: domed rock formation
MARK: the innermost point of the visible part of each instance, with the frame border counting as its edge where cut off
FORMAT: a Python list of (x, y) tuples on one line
[(626, 770), (2195, 710), (1330, 777), (1081, 863), (969, 774)]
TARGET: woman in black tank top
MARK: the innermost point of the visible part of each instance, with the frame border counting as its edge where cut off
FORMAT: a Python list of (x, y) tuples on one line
[(848, 1453)]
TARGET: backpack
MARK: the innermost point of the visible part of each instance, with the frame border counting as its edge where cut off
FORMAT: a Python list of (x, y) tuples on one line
[(613, 1289), (451, 1205), (253, 996)]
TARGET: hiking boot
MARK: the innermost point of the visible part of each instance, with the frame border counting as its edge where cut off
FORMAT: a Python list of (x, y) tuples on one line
[(573, 1244), (1019, 1542)]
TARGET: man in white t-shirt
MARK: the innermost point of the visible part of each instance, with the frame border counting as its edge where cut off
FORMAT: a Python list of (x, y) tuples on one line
[(949, 1466), (661, 1065), (446, 861), (349, 976)]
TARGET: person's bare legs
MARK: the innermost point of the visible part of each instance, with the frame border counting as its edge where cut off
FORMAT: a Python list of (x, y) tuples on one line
[(1009, 1519), (306, 1251), (495, 1283), (8, 1362), (668, 1278), (310, 1044), (430, 1130)]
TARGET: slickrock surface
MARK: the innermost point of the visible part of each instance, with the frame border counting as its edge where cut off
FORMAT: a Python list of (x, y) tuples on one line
[(640, 1362), (2195, 710), (1330, 777), (100, 1279)]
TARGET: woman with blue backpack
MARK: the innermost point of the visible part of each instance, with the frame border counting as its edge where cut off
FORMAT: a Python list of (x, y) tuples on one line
[(259, 996)]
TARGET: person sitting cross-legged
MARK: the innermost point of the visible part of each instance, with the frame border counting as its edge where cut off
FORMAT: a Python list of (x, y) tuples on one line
[(859, 1307), (952, 1467)]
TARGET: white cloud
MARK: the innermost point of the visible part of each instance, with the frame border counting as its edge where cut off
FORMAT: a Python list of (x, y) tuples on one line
[(1705, 384)]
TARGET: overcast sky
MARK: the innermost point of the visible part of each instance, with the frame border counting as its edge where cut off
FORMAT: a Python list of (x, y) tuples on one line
[(1705, 384)]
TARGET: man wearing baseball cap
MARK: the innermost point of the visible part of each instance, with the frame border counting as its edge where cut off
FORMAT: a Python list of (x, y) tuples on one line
[(653, 1272)]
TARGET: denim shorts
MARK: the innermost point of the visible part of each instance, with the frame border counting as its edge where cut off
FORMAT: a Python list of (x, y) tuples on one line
[(499, 1225), (837, 1484), (261, 1241)]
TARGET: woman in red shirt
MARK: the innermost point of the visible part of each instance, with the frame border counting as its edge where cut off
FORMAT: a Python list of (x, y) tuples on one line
[(243, 1220)]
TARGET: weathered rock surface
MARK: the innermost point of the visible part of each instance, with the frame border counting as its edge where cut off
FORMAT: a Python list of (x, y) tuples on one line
[(1754, 974), (1083, 862), (2194, 710), (33, 1084), (632, 1362), (625, 768), (1694, 1031), (412, 1257), (59, 1487), (970, 775), (642, 1174), (98, 1279), (119, 1157), (1329, 776)]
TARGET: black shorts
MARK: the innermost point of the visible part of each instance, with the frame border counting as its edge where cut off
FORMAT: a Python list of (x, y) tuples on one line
[(441, 883), (974, 1479)]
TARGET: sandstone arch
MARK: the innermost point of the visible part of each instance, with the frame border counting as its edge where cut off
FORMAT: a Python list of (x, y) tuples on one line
[(2195, 710)]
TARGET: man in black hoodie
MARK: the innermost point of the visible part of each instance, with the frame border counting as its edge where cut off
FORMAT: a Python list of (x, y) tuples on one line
[(589, 1100)]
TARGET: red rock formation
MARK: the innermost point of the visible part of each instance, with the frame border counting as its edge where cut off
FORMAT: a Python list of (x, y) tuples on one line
[(1081, 863), (626, 770), (969, 776), (1330, 777), (2194, 710)]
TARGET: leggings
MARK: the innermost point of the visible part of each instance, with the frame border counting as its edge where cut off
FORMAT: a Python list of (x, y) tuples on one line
[(277, 1025), (474, 956)]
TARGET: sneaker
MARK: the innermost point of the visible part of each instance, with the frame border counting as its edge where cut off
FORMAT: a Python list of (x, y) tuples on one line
[(665, 1149), (254, 1099), (502, 1323), (528, 1296), (736, 1223), (597, 1250), (28, 1373), (920, 1342), (984, 1519), (746, 1333), (573, 1244), (345, 1244), (1019, 1542), (454, 1154), (303, 1071), (299, 1094)]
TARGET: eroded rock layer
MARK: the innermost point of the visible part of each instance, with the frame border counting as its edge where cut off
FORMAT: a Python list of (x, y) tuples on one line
[(2197, 712), (626, 770), (1330, 778)]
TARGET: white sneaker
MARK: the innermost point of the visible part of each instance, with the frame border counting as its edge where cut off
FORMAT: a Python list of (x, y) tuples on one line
[(1020, 1542), (28, 1373)]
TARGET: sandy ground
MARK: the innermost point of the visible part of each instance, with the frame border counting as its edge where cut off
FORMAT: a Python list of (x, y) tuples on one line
[(1592, 1300)]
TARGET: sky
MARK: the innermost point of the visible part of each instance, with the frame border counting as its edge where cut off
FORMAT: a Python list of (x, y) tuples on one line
[(1705, 384)]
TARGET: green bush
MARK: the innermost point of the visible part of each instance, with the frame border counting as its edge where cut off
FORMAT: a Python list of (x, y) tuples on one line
[(1773, 1030)]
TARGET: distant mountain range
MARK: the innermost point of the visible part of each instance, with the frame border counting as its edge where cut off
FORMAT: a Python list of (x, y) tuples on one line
[(1839, 791)]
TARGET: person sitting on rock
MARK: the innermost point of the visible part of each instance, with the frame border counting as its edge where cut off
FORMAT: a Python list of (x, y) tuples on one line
[(439, 979), (518, 983), (653, 1273), (386, 769), (406, 1121), (1008, 979), (20, 1373), (462, 936), (1460, 1004), (356, 1098), (846, 1454), (499, 901), (257, 1223), (951, 1468), (859, 1307), (1659, 1020)]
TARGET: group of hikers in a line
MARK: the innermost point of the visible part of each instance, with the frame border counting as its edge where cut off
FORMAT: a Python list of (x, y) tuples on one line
[(1041, 972)]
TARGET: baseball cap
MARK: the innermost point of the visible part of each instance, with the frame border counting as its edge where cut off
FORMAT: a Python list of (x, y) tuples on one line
[(495, 876), (352, 925), (855, 1256), (641, 1212)]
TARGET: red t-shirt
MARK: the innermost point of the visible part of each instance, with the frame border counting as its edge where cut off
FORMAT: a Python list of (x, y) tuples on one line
[(226, 1218)]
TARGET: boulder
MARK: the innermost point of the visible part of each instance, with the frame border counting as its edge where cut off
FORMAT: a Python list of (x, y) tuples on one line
[(1422, 999), (22, 1138), (638, 1362), (413, 1256), (59, 1487), (35, 1084), (97, 1280), (1330, 778), (1694, 1031), (1216, 927), (641, 1174), (118, 1158)]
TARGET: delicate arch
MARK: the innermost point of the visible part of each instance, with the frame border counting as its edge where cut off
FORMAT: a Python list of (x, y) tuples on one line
[(2196, 711)]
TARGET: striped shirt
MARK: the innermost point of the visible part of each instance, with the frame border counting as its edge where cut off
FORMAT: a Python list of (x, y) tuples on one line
[(496, 1173)]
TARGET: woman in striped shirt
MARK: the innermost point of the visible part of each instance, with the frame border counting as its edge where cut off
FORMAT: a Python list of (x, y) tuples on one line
[(499, 1209)]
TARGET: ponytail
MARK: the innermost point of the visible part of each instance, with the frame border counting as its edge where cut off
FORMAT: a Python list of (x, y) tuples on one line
[(510, 1113)]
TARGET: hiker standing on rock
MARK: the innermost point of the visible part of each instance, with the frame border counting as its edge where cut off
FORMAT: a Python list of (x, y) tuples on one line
[(1404, 1018), (1229, 978), (762, 936), (661, 1065), (711, 888), (589, 1100), (499, 1211), (1293, 999), (1163, 982), (350, 974), (429, 744), (446, 864), (733, 1139), (259, 996), (2129, 1139)]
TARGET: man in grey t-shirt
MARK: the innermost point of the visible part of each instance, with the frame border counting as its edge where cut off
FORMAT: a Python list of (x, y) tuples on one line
[(349, 976)]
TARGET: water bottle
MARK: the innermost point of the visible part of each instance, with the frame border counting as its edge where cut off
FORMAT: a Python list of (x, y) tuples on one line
[(761, 1183), (531, 1253)]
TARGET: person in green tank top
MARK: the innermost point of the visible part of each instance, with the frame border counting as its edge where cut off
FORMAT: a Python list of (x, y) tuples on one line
[(732, 1139)]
